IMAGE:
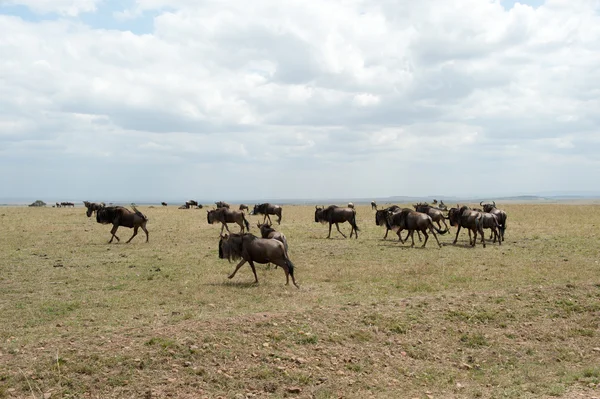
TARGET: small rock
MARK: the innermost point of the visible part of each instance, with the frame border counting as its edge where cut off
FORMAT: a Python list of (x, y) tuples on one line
[(47, 395), (596, 349), (459, 385), (294, 390), (266, 344)]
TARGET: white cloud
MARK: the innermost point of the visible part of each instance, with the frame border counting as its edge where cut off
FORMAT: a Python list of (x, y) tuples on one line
[(378, 89)]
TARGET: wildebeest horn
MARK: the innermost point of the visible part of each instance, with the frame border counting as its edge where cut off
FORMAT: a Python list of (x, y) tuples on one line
[(480, 203), (494, 203)]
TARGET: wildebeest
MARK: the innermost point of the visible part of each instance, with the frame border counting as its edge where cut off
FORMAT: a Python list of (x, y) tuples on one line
[(490, 221), (221, 204), (243, 207), (334, 215), (92, 207), (268, 209), (226, 215), (163, 203), (191, 203), (266, 231), (120, 216), (184, 206), (66, 204), (469, 219), (410, 220), (350, 205), (253, 249), (58, 205), (382, 220), (436, 214), (373, 205), (500, 215)]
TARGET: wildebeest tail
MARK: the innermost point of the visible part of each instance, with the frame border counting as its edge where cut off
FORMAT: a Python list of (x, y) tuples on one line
[(290, 266), (246, 223), (137, 212), (353, 221), (441, 232)]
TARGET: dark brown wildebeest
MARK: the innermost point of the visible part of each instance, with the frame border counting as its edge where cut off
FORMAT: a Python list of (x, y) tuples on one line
[(92, 207), (243, 207), (184, 206), (334, 215), (268, 209), (67, 204), (436, 214), (373, 205), (441, 206), (191, 203), (350, 205), (163, 203), (381, 218), (253, 249), (58, 205), (490, 221), (266, 231), (226, 215), (410, 220), (500, 215), (222, 204), (120, 216), (469, 219)]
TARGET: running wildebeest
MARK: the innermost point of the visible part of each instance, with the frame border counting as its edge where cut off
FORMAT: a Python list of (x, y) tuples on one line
[(373, 205), (490, 221), (350, 205), (243, 207), (410, 220), (436, 214), (469, 219), (268, 209), (191, 203), (500, 214), (120, 216), (381, 218), (221, 204), (92, 207), (163, 203), (334, 215), (253, 249), (226, 215)]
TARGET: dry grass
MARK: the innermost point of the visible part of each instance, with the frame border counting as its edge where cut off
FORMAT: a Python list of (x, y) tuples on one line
[(81, 318)]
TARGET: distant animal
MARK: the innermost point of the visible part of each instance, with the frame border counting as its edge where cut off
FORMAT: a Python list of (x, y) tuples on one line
[(500, 214), (373, 205), (243, 207), (221, 204), (226, 215), (120, 216), (92, 207), (268, 209), (469, 219), (191, 203), (436, 214), (58, 205), (442, 206), (184, 206), (334, 215), (434, 201), (67, 204), (252, 249), (350, 205), (490, 221), (163, 203), (410, 220)]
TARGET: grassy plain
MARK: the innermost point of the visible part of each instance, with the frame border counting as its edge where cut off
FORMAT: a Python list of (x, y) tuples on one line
[(80, 318)]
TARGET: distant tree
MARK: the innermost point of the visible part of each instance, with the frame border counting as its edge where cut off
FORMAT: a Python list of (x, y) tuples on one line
[(38, 203)]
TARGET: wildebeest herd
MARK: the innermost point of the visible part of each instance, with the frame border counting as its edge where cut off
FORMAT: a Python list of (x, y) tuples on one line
[(272, 246)]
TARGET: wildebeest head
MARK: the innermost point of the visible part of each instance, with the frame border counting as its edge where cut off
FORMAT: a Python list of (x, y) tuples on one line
[(210, 216), (230, 247), (454, 216), (488, 207), (319, 215)]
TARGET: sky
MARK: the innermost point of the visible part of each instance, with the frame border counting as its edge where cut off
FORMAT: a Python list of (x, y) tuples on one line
[(218, 100)]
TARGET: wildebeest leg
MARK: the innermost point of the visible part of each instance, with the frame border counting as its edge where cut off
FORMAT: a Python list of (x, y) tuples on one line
[(426, 238), (237, 268), (135, 229), (253, 271), (474, 237), (269, 217), (145, 231), (412, 237), (419, 235), (456, 238), (398, 233), (224, 225), (113, 231), (480, 228), (435, 236), (386, 233), (337, 226)]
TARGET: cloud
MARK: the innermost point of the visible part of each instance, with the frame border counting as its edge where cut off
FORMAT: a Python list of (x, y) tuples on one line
[(371, 92)]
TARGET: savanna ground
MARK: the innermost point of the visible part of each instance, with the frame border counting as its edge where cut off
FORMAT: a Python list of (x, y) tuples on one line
[(81, 318)]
